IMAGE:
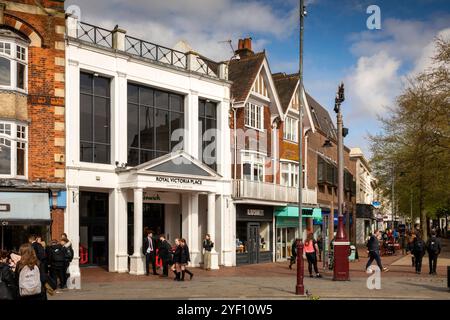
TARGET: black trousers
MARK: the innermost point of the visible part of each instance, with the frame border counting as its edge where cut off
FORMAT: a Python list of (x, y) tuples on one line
[(59, 273), (432, 258), (373, 255), (312, 262), (150, 258), (165, 264), (418, 260)]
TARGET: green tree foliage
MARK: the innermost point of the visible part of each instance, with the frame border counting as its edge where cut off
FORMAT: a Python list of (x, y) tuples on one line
[(413, 148)]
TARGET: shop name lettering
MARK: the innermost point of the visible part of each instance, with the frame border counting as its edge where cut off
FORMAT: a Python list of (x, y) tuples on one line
[(178, 180)]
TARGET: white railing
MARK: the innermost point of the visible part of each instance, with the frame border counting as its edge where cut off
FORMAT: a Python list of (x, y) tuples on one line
[(246, 189)]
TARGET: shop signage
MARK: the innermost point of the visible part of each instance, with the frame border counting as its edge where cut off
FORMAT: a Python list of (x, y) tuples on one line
[(179, 180), (5, 207), (151, 197), (255, 212)]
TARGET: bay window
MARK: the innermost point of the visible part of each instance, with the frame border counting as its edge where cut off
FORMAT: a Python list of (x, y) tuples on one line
[(13, 64), (254, 116), (13, 149)]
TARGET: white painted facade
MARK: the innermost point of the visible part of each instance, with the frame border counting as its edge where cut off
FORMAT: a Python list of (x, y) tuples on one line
[(203, 207)]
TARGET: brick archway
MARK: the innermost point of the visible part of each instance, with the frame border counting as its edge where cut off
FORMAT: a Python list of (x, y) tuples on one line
[(24, 28)]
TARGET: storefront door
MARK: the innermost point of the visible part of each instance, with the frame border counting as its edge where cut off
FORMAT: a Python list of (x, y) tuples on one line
[(94, 227), (253, 242)]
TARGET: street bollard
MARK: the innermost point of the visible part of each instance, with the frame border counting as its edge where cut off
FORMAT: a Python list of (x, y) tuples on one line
[(300, 288)]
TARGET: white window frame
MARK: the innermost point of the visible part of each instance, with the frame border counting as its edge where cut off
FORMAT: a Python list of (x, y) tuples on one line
[(290, 132), (254, 116), (14, 141), (291, 168), (256, 162), (16, 57)]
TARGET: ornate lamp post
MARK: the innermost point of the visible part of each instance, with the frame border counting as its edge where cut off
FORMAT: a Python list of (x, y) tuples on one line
[(300, 288), (341, 243)]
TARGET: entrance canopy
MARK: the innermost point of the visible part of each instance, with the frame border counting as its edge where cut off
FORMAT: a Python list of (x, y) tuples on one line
[(287, 217), (24, 208)]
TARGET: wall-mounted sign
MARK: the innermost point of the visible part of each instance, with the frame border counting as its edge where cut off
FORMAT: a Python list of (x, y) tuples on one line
[(5, 207), (179, 180), (255, 212), (151, 197)]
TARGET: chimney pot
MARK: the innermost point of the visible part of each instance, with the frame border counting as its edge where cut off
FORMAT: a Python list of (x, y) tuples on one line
[(241, 44), (248, 43)]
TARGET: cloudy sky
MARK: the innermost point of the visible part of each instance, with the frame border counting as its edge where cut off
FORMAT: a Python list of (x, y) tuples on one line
[(338, 46)]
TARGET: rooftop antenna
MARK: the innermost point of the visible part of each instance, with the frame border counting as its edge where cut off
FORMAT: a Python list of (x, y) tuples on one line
[(235, 56)]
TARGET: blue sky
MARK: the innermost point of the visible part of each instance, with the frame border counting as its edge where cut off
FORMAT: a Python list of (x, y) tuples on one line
[(338, 46)]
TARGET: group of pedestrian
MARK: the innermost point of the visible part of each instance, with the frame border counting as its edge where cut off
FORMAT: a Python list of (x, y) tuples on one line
[(312, 253), (176, 257), (35, 270), (417, 247)]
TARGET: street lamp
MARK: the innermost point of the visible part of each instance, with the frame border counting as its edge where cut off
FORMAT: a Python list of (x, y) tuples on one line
[(300, 288), (341, 243)]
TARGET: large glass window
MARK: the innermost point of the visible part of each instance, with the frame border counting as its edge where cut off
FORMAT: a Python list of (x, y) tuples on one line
[(13, 65), (13, 149), (207, 117), (253, 167), (95, 119), (153, 119), (290, 129), (289, 174)]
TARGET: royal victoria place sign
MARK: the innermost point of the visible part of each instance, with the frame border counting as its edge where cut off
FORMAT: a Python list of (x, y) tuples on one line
[(179, 181)]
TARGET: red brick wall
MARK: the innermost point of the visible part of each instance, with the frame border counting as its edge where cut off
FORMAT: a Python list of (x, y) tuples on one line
[(57, 223)]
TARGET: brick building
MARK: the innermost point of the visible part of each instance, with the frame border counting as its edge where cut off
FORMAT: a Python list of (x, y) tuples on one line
[(32, 137)]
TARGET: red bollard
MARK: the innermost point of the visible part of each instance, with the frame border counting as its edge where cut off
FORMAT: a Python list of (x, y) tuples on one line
[(300, 288)]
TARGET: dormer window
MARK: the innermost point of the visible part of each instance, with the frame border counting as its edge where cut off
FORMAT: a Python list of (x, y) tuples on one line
[(13, 62)]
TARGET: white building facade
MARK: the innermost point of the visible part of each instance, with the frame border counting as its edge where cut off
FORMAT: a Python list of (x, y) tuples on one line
[(140, 149)]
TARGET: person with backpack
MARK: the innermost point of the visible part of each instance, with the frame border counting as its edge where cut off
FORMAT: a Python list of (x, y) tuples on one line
[(419, 252), (8, 286), (29, 277), (57, 259), (433, 247), (373, 248), (311, 251), (67, 245)]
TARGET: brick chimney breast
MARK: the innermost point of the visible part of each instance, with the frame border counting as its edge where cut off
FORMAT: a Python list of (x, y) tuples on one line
[(245, 47)]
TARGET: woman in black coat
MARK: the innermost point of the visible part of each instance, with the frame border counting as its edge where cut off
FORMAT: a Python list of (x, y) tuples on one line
[(176, 267), (184, 260), (8, 288)]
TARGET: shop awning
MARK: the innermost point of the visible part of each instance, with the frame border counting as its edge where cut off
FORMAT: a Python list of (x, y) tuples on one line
[(19, 208), (287, 217)]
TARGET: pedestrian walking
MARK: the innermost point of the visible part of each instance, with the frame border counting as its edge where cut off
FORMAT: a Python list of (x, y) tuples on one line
[(294, 253), (8, 286), (57, 259), (29, 277), (185, 259), (373, 249), (164, 254), (311, 251), (433, 247), (410, 247), (419, 252), (320, 246), (176, 266), (68, 257), (149, 250), (207, 246)]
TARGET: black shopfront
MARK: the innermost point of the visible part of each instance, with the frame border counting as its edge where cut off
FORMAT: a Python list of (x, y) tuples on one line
[(254, 234)]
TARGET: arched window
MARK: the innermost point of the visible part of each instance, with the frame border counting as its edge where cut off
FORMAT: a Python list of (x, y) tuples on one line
[(13, 61)]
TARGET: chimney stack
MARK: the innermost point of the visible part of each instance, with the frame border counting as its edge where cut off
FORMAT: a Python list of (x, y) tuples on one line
[(245, 47)]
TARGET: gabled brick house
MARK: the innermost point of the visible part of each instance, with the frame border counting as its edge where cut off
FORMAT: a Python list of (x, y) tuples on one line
[(32, 143)]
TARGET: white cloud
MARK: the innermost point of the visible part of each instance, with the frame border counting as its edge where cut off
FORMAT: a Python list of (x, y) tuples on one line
[(201, 23)]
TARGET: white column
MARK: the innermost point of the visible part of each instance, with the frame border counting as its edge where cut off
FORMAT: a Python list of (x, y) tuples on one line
[(212, 228), (137, 265), (122, 231), (73, 233), (72, 112), (194, 240)]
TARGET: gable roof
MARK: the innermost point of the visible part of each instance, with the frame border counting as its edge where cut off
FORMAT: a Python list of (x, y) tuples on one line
[(243, 73), (321, 117), (286, 86)]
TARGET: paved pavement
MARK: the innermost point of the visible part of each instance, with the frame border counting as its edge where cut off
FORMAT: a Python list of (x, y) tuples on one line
[(265, 281)]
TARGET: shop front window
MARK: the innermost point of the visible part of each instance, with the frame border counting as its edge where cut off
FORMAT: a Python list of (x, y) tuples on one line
[(264, 236)]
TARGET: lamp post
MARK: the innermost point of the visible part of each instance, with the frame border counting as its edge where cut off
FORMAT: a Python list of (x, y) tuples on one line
[(300, 288), (341, 243)]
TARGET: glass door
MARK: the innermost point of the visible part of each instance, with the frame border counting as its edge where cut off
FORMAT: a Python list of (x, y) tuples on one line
[(253, 239)]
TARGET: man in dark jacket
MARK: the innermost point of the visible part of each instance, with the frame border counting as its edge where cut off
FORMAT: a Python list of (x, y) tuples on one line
[(373, 248), (418, 251), (433, 246), (10, 291), (40, 252), (149, 251), (164, 254), (57, 259)]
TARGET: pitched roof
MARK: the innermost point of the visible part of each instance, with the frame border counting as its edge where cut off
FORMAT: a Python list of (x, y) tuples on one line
[(243, 73), (285, 85), (321, 117)]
